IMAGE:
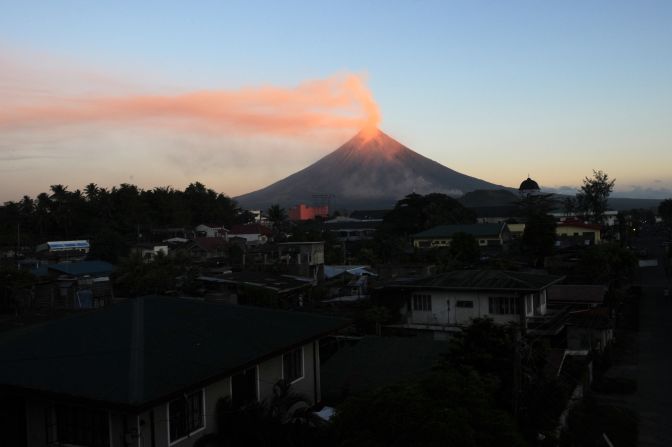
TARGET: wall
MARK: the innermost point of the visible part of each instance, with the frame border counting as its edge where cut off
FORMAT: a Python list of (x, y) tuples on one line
[(443, 313)]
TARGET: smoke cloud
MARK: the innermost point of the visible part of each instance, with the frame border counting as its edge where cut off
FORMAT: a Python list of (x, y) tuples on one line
[(338, 102)]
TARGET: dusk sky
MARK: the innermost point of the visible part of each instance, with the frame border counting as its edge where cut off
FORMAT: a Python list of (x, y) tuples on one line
[(240, 94)]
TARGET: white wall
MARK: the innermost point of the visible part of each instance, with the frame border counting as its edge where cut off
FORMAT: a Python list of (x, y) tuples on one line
[(445, 311)]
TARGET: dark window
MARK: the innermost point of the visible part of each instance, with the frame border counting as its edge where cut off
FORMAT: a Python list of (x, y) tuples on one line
[(244, 387), (185, 415), (422, 303), (465, 304), (503, 305), (292, 364), (78, 426)]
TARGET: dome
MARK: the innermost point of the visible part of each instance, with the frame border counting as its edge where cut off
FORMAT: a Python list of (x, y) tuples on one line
[(529, 185)]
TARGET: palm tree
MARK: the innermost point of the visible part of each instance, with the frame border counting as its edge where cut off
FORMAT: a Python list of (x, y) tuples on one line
[(277, 215), (91, 191)]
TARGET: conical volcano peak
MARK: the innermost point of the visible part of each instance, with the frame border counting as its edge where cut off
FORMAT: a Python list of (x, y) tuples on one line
[(371, 170), (373, 142)]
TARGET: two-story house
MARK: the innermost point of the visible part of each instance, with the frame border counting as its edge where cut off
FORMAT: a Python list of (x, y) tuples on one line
[(149, 372)]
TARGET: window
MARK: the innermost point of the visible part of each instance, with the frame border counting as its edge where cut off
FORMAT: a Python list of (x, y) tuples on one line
[(185, 415), (244, 387), (422, 303), (292, 365), (503, 305), (465, 304), (78, 426)]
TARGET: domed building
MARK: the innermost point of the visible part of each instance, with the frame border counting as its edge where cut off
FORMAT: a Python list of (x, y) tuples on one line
[(529, 187)]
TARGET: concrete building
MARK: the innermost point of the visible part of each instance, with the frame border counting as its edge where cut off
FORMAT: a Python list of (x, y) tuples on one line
[(487, 235), (150, 372)]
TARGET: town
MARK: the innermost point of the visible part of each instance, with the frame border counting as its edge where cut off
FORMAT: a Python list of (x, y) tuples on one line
[(166, 317)]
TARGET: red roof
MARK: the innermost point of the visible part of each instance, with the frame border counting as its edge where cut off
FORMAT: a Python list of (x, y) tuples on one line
[(251, 229)]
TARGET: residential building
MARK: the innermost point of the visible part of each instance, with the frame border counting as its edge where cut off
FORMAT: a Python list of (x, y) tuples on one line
[(590, 329), (578, 233), (487, 235), (304, 259), (58, 251), (149, 251), (577, 296), (442, 302), (73, 285), (211, 230), (150, 372), (348, 229), (252, 233)]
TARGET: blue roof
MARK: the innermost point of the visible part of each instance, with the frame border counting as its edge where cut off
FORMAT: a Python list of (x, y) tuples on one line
[(83, 268)]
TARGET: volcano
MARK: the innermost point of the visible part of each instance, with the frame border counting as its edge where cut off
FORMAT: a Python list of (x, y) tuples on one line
[(371, 170)]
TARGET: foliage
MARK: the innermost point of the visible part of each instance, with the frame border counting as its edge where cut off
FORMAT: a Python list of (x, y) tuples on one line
[(448, 407), (608, 260), (164, 274), (284, 420), (464, 248), (594, 194), (12, 282), (114, 217), (415, 213), (278, 217), (539, 235), (665, 211)]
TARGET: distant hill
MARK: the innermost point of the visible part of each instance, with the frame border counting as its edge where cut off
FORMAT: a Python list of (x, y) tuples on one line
[(368, 171)]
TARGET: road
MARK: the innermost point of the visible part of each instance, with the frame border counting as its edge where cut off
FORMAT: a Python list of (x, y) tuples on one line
[(653, 399)]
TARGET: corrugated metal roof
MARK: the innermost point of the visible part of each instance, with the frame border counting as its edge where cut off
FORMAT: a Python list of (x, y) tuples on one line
[(148, 349), (486, 280), (447, 231)]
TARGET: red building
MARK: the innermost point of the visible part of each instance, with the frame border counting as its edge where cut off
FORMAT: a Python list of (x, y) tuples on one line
[(305, 212)]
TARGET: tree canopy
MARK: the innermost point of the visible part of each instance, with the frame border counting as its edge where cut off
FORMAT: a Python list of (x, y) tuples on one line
[(122, 213), (592, 198)]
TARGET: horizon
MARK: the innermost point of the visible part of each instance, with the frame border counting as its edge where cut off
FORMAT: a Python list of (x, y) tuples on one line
[(494, 92)]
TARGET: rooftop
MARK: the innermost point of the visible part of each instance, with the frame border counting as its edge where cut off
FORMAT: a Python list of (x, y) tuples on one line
[(447, 231), (146, 350), (486, 280), (577, 293)]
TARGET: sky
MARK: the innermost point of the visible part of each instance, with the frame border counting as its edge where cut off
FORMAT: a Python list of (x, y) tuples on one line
[(240, 94)]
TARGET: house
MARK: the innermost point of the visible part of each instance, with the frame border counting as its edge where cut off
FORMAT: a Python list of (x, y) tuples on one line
[(211, 230), (73, 285), (303, 258), (442, 303), (495, 213), (256, 288), (252, 233), (577, 233), (57, 251), (306, 212), (349, 229), (150, 372), (149, 251), (487, 235)]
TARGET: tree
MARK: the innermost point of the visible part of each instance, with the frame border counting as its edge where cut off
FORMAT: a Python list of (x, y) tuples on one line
[(665, 211), (594, 194), (446, 407), (277, 215), (464, 248), (539, 236)]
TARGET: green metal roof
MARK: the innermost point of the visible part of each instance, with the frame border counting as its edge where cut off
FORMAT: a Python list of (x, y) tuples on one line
[(487, 280), (145, 350), (447, 231)]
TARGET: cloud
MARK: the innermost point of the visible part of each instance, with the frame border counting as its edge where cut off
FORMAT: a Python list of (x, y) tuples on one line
[(335, 103)]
